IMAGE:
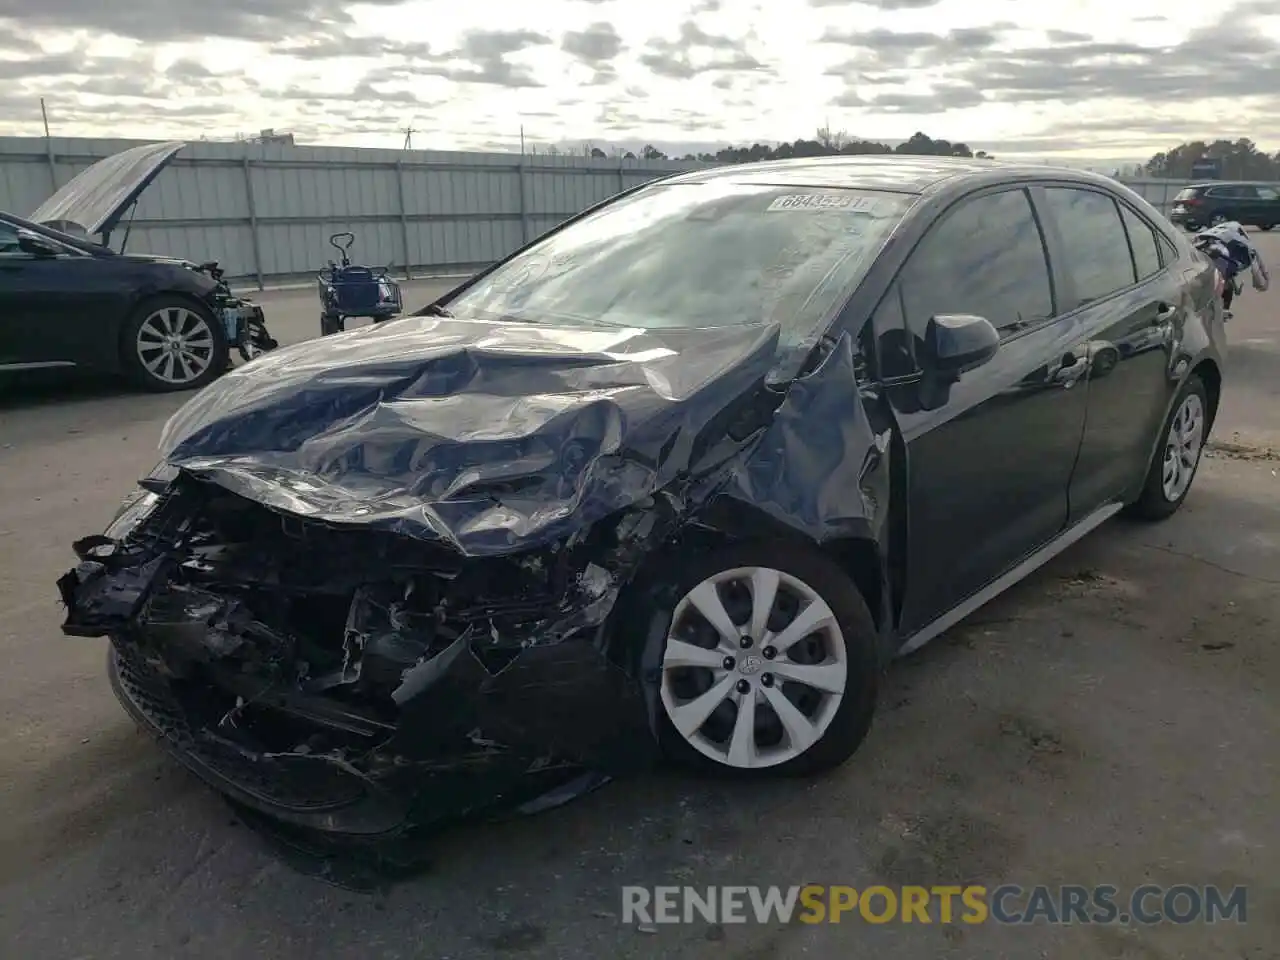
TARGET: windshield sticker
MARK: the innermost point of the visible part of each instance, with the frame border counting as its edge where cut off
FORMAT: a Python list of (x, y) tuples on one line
[(826, 201)]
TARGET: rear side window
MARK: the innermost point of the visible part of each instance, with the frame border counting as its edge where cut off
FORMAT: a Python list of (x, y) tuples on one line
[(1094, 240), (1268, 193), (985, 257), (1189, 193), (1142, 240)]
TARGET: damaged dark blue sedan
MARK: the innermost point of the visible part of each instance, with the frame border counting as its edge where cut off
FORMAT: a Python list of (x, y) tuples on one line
[(677, 479)]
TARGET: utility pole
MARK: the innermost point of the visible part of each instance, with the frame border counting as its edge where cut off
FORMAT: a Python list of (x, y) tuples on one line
[(48, 147)]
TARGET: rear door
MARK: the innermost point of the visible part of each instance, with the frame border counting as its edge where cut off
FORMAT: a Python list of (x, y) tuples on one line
[(1225, 202), (988, 470), (1268, 211), (1129, 305)]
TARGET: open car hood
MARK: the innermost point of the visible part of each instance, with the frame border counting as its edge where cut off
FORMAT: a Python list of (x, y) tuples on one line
[(96, 198), (492, 437)]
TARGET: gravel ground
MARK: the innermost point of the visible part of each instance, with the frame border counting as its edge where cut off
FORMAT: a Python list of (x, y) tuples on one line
[(1113, 719)]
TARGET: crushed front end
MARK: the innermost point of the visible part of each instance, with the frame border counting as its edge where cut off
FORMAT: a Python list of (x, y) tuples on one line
[(359, 682)]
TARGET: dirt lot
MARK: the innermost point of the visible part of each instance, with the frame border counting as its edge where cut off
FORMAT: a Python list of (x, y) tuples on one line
[(1112, 720)]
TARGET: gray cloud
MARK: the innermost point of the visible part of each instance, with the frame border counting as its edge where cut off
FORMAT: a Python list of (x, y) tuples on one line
[(1224, 60), (161, 20), (595, 46), (481, 57), (336, 44), (941, 99), (1067, 36), (894, 49), (696, 52)]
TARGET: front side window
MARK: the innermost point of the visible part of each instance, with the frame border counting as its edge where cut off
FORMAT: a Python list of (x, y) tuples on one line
[(986, 257), (9, 241), (710, 254), (1094, 241)]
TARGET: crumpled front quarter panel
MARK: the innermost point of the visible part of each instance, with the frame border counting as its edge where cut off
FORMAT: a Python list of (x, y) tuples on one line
[(820, 468)]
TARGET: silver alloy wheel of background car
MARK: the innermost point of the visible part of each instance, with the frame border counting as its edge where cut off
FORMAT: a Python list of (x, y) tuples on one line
[(175, 344), (1183, 447), (760, 688)]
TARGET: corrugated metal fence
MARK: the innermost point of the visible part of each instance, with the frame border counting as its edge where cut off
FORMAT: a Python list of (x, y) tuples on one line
[(265, 211)]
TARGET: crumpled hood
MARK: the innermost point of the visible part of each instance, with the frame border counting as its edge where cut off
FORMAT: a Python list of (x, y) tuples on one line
[(490, 436)]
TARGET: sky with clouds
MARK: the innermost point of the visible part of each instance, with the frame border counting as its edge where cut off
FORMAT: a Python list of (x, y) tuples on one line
[(1058, 77)]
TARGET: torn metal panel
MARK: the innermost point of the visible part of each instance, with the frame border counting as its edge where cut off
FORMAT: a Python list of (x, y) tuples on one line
[(821, 467)]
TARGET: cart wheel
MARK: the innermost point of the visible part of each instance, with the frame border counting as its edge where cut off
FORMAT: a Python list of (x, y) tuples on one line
[(330, 323)]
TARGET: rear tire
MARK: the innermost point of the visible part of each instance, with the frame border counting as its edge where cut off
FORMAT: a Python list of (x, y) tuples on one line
[(796, 645), (1174, 466), (1264, 227), (171, 343), (330, 323)]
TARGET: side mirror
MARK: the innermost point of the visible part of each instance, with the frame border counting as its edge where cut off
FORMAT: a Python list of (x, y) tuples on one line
[(958, 342), (35, 245)]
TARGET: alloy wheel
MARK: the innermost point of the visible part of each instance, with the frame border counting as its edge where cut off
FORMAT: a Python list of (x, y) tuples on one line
[(175, 345), (754, 669), (1183, 447)]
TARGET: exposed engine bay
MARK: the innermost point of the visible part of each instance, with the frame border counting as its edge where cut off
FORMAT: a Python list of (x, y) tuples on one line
[(354, 680)]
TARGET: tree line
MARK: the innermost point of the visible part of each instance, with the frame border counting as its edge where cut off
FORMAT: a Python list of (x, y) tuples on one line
[(1238, 160), (825, 143)]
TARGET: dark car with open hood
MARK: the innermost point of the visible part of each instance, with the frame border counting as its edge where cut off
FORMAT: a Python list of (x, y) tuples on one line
[(71, 302), (676, 480)]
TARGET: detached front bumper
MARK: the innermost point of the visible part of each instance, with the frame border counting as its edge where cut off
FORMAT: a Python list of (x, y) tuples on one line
[(432, 732)]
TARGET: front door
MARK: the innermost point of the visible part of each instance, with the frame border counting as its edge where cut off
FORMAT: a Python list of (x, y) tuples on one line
[(988, 470), (63, 309)]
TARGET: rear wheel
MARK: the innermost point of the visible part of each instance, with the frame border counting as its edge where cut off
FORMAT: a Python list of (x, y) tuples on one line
[(330, 323), (171, 343), (770, 665), (1264, 227), (1174, 466)]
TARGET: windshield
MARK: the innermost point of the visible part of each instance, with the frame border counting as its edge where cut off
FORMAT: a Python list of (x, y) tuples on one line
[(710, 254)]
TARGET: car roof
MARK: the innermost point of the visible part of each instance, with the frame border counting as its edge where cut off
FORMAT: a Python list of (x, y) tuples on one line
[(1226, 183), (898, 173)]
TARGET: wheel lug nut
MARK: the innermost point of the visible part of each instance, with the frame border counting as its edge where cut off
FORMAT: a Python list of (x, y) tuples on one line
[(730, 663), (769, 653), (767, 679), (743, 686), (744, 642)]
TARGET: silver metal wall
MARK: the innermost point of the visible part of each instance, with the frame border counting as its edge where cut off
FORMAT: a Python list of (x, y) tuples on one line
[(265, 211)]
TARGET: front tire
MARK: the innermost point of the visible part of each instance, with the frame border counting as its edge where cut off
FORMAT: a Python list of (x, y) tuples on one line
[(1174, 466), (171, 343), (770, 665)]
